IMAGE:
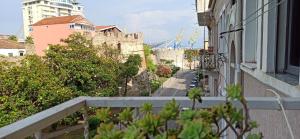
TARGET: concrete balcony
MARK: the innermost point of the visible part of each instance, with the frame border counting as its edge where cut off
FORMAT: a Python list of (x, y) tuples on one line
[(33, 125), (204, 18), (204, 14)]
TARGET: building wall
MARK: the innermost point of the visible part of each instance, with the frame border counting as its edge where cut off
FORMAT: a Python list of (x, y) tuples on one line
[(34, 12), (49, 34), (271, 122), (129, 44), (15, 52), (258, 61), (176, 55)]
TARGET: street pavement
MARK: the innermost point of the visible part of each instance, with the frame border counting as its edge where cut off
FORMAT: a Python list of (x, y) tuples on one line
[(176, 85)]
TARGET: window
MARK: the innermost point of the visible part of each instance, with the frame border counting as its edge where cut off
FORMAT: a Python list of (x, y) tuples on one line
[(10, 54), (250, 43), (72, 26), (21, 53), (233, 2), (293, 56), (119, 47)]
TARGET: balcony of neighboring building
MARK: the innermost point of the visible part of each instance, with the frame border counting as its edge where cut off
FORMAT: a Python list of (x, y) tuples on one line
[(204, 14)]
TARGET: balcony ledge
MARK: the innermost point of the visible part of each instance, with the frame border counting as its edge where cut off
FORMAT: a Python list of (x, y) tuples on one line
[(204, 18)]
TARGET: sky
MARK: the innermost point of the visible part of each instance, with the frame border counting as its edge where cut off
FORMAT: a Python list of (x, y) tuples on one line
[(159, 20)]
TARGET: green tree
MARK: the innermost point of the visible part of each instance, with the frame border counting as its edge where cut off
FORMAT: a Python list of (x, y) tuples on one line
[(195, 94), (130, 68), (29, 40), (24, 90), (150, 64), (78, 65), (190, 55), (13, 38)]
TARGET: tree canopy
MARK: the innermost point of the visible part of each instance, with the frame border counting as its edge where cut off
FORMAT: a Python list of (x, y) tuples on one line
[(66, 71), (130, 68), (13, 38), (29, 88), (78, 65)]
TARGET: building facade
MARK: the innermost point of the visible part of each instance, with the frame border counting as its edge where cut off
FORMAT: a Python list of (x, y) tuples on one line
[(256, 46), (36, 10), (10, 48), (127, 44), (52, 30)]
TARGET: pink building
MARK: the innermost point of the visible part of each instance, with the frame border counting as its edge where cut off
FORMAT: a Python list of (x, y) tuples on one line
[(52, 30)]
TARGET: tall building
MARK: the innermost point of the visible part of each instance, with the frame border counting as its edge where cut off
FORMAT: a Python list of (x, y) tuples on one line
[(36, 10)]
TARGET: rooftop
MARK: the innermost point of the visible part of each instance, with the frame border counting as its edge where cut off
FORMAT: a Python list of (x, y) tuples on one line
[(101, 28), (62, 20), (8, 44)]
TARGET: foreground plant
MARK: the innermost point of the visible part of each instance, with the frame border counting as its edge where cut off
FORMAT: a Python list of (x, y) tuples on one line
[(171, 123)]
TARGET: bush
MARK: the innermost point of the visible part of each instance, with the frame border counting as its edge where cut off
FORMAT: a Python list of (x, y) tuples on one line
[(200, 75), (190, 124), (94, 122), (175, 69), (145, 93), (164, 71), (155, 85)]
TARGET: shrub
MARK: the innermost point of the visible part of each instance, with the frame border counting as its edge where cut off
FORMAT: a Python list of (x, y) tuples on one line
[(154, 85), (189, 124), (164, 71), (175, 69), (94, 122)]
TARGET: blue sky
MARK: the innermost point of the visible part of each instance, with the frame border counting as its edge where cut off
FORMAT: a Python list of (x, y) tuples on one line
[(159, 20)]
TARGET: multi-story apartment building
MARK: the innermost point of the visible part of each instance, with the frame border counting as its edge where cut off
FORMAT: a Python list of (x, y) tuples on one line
[(36, 10), (255, 45)]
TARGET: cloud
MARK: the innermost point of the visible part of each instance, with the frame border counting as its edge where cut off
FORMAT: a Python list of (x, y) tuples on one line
[(156, 23)]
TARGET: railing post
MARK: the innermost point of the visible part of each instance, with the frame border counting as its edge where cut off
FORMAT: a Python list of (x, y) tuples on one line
[(86, 123), (38, 134)]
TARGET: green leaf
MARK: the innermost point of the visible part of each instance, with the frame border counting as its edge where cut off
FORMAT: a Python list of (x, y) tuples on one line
[(104, 114), (195, 93), (234, 92), (126, 116), (254, 136), (147, 108), (132, 132)]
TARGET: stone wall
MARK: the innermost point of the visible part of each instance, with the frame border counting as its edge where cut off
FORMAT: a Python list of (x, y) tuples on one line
[(176, 55), (128, 44)]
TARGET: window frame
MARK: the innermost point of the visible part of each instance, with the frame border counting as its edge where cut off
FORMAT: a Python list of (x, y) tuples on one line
[(291, 69)]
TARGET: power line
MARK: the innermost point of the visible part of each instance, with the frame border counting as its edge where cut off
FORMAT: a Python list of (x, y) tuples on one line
[(279, 3), (255, 12)]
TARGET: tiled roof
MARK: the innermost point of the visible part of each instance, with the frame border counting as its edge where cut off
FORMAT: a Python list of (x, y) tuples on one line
[(104, 27), (8, 44), (60, 20)]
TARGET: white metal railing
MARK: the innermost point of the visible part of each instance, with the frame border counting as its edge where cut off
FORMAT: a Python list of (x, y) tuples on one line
[(35, 123)]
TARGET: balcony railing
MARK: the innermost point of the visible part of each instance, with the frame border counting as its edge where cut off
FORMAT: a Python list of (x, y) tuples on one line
[(33, 125), (209, 62)]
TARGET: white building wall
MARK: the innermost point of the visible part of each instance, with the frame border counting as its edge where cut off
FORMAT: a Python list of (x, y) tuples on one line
[(15, 52)]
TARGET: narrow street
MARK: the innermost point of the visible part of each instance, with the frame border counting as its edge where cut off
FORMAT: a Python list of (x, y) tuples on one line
[(176, 85)]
